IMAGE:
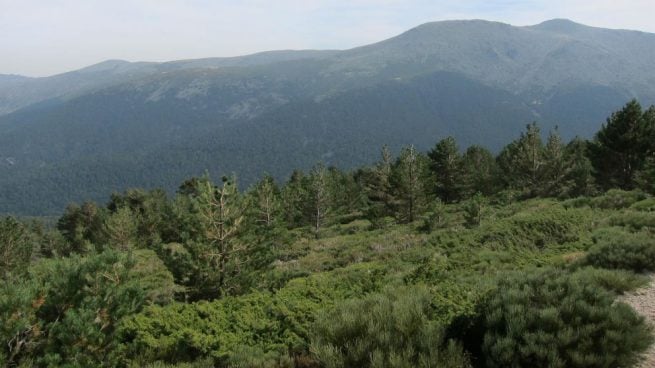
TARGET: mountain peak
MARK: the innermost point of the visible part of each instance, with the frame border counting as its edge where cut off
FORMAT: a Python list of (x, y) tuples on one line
[(13, 76), (560, 25), (105, 65), (461, 22)]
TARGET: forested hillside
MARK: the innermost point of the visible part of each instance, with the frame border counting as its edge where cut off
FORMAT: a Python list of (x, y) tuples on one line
[(81, 135), (450, 257)]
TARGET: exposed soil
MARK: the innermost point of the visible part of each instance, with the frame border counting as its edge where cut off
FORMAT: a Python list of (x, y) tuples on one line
[(643, 301)]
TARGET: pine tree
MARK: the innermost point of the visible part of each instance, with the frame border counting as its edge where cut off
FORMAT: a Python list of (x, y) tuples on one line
[(16, 247), (522, 162), (319, 199), (645, 178), (473, 210), (151, 214), (377, 185), (555, 167), (479, 171), (293, 197), (619, 150), (409, 183), (121, 228), (579, 180), (83, 226), (266, 202), (446, 166), (221, 253), (347, 192)]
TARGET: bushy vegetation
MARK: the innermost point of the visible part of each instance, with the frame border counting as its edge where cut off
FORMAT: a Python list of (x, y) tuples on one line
[(634, 220), (549, 319), (267, 326), (67, 311), (421, 260), (396, 328), (618, 249)]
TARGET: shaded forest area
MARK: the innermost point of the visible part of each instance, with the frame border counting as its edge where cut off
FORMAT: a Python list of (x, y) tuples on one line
[(437, 259)]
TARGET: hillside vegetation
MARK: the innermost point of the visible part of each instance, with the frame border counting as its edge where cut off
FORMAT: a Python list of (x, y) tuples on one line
[(437, 259), (108, 127)]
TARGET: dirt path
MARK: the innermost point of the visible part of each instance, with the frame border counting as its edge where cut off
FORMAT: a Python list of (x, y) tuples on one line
[(643, 301)]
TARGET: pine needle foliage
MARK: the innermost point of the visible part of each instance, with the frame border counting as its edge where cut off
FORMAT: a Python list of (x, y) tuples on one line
[(391, 329), (619, 249), (550, 319)]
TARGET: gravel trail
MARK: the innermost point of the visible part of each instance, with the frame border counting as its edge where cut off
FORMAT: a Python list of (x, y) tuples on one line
[(643, 301)]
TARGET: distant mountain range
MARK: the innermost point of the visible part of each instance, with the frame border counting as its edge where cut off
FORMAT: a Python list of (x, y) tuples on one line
[(83, 134)]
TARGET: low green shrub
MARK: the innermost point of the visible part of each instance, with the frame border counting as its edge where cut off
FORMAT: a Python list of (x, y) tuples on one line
[(578, 202), (69, 309), (473, 210), (647, 205), (616, 281), (619, 249), (435, 218), (534, 229), (180, 333), (392, 329), (249, 357), (617, 199), (634, 220), (550, 319), (202, 363), (378, 223), (259, 329)]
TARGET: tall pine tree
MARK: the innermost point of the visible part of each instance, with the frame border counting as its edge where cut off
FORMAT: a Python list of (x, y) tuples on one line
[(555, 167), (377, 185), (579, 180), (446, 166), (619, 150), (522, 162), (320, 197), (409, 183), (220, 253), (480, 172)]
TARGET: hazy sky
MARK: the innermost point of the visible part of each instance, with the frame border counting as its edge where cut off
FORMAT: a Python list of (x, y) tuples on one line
[(44, 37)]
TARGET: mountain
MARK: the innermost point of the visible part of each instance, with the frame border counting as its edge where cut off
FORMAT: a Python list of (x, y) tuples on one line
[(7, 79), (117, 124)]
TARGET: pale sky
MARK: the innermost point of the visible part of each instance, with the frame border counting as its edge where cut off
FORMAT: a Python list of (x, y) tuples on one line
[(45, 37)]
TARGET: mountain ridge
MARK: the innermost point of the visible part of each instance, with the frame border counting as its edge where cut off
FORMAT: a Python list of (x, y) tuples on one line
[(478, 81)]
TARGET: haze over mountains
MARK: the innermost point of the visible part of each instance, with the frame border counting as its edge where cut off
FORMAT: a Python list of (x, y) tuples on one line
[(117, 124)]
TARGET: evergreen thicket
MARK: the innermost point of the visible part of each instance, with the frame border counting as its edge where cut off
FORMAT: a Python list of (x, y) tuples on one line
[(445, 258)]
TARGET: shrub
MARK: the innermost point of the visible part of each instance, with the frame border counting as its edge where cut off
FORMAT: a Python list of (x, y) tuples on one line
[(647, 205), (535, 229), (617, 249), (617, 199), (550, 319), (434, 219), (634, 220), (616, 281), (391, 329), (16, 246), (203, 363), (578, 202), (249, 357), (68, 309), (473, 210), (259, 329), (378, 223), (181, 333)]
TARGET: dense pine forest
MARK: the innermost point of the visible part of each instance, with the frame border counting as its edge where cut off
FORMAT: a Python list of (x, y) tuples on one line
[(454, 257)]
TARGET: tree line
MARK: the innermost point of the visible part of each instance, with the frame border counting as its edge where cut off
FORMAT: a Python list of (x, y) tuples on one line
[(216, 241), (205, 234)]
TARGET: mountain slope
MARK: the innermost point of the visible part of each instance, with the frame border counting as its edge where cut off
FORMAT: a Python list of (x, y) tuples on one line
[(116, 124)]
